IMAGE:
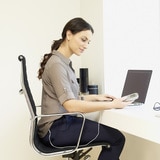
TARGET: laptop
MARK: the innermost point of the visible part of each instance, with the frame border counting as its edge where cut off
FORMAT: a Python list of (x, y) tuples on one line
[(137, 81)]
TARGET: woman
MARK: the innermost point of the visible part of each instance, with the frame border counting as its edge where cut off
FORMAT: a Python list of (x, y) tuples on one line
[(60, 95)]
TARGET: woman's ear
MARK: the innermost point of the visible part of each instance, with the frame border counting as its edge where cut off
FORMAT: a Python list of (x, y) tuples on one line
[(68, 35)]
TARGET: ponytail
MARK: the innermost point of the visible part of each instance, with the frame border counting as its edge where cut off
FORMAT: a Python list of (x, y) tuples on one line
[(56, 44), (46, 57)]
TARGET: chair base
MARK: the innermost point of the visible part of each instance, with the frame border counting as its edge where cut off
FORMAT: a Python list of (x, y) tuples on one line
[(77, 155)]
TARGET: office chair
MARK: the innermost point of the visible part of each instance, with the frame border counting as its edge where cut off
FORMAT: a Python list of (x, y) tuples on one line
[(77, 152)]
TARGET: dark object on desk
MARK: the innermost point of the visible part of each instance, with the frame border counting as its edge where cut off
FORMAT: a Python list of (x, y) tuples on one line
[(137, 81), (84, 79), (74, 152), (93, 89)]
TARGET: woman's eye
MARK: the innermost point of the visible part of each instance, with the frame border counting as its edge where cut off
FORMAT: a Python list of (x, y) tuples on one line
[(84, 40)]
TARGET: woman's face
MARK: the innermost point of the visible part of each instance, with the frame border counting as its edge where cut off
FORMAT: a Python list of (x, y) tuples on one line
[(78, 42)]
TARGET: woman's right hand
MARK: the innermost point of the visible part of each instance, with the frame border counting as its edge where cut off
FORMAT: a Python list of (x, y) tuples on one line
[(119, 103)]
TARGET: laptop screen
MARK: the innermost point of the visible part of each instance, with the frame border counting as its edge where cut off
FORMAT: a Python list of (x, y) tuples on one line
[(137, 81)]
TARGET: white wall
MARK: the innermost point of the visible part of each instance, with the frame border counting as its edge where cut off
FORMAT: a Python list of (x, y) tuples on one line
[(92, 11), (131, 30), (26, 27)]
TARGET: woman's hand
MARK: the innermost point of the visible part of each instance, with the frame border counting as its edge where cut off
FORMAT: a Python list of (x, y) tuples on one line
[(120, 103), (104, 97), (115, 102), (99, 97)]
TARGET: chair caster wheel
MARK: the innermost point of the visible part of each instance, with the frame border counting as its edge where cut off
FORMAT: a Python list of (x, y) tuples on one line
[(87, 157)]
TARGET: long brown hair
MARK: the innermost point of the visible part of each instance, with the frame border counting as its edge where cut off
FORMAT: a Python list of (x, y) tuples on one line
[(74, 25)]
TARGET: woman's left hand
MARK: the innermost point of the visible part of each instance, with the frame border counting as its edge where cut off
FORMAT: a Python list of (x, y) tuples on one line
[(104, 97)]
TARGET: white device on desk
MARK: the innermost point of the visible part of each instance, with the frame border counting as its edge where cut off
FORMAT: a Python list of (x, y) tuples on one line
[(131, 97), (137, 81)]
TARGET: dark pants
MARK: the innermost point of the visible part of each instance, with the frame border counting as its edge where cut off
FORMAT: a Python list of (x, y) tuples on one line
[(65, 131)]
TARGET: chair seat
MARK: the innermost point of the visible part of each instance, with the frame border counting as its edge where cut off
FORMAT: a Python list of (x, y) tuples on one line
[(49, 149)]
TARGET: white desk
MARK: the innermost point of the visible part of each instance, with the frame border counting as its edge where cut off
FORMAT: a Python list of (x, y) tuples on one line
[(135, 120)]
